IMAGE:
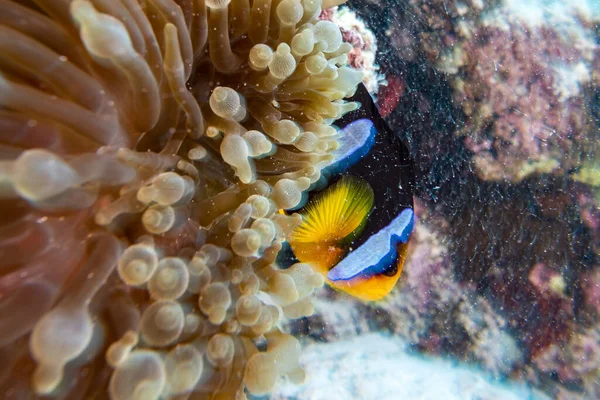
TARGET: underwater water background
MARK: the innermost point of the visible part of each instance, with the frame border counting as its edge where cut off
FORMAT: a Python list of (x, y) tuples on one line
[(499, 102), (158, 159)]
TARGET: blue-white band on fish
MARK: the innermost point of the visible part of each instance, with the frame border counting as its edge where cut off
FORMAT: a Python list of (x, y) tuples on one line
[(356, 141), (374, 255)]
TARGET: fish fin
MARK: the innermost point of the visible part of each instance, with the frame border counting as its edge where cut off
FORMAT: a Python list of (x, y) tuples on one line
[(321, 256), (331, 219), (336, 214), (376, 287)]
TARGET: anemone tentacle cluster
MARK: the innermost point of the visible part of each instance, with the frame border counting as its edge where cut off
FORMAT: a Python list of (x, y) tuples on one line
[(146, 147)]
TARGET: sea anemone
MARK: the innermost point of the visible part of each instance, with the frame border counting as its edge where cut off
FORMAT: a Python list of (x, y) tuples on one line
[(146, 148)]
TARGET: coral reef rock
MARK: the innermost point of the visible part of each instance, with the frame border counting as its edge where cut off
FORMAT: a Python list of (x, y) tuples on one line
[(524, 74), (364, 44)]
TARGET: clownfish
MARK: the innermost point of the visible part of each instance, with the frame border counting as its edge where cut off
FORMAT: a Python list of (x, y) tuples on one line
[(358, 218)]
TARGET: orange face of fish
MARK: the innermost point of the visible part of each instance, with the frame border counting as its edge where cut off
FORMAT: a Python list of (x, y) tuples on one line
[(374, 287)]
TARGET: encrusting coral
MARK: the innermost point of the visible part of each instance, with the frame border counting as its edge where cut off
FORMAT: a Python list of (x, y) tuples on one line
[(364, 45), (146, 147)]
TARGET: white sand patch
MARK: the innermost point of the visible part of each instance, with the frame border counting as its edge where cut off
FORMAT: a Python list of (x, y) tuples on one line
[(378, 367)]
